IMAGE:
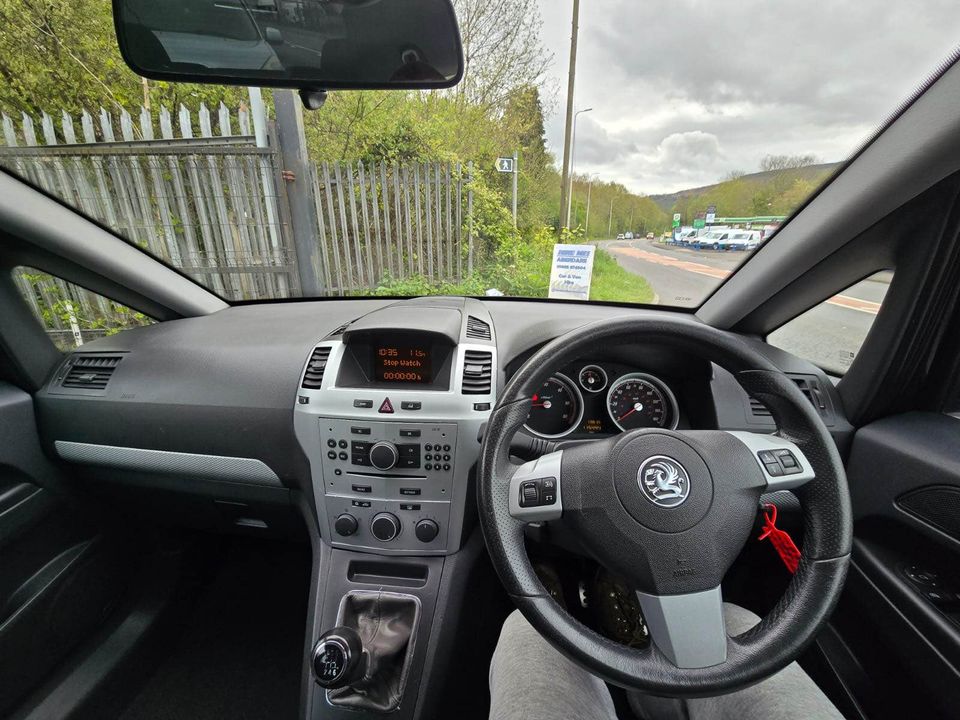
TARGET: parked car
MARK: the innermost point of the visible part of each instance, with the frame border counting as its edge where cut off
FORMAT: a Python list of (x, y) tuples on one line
[(620, 236), (715, 238), (629, 236), (740, 240), (650, 236)]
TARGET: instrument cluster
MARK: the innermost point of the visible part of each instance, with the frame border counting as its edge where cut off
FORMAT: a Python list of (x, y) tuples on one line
[(589, 398)]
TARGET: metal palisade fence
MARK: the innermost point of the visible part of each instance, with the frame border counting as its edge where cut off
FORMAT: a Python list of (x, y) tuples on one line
[(197, 190)]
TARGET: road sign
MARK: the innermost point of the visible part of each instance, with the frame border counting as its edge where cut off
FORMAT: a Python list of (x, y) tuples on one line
[(699, 223), (571, 272), (505, 164), (711, 214), (676, 220)]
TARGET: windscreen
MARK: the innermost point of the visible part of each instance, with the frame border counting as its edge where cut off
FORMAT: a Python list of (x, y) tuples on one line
[(694, 132)]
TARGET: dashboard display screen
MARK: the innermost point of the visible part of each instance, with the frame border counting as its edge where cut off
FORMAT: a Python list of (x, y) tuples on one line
[(402, 364)]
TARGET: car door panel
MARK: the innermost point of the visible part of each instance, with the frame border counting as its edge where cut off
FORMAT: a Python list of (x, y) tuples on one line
[(904, 474), (59, 576)]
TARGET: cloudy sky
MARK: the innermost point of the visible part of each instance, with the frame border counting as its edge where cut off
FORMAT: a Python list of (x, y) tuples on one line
[(685, 91)]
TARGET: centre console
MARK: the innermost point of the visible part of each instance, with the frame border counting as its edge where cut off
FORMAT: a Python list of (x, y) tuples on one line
[(389, 412)]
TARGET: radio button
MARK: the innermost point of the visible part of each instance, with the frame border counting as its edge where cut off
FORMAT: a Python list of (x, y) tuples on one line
[(332, 455), (357, 430), (409, 433), (331, 443), (384, 455), (409, 491)]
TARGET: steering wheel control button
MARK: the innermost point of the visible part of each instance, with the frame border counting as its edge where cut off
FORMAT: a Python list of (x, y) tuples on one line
[(784, 465), (664, 481), (529, 494), (535, 489), (345, 525), (384, 455), (385, 526), (426, 530)]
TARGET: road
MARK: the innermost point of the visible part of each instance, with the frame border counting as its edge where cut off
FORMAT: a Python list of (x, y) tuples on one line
[(829, 335)]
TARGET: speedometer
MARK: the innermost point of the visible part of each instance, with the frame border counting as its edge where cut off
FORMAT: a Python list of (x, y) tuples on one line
[(639, 400), (557, 408)]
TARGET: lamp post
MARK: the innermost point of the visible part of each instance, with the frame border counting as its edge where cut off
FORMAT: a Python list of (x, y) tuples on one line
[(573, 154), (586, 222)]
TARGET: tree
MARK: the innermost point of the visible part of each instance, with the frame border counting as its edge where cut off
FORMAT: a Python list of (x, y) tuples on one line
[(787, 162), (501, 48), (63, 54)]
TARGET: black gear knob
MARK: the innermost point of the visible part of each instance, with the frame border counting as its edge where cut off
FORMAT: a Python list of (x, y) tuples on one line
[(338, 658)]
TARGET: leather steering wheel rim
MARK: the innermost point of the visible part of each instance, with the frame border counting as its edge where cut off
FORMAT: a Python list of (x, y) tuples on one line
[(814, 589)]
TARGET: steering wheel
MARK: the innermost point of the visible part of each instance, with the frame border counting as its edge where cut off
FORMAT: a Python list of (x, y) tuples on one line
[(669, 512)]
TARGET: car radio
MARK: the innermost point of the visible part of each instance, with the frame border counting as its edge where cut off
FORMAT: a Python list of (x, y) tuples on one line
[(388, 484)]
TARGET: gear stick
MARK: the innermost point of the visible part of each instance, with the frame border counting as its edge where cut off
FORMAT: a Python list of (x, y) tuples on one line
[(363, 662), (338, 658)]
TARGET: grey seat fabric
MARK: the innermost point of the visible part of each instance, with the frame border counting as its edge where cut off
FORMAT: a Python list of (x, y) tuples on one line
[(532, 681)]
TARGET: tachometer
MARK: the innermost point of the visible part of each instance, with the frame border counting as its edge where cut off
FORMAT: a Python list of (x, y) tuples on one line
[(557, 408), (639, 400)]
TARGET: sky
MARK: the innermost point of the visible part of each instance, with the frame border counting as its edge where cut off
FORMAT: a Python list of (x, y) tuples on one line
[(686, 91)]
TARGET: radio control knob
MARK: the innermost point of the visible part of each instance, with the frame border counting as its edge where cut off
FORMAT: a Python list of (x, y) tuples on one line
[(385, 526), (384, 455), (426, 530), (345, 524)]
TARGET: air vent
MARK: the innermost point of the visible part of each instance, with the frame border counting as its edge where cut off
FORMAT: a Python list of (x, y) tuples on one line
[(313, 376), (90, 372), (808, 385), (477, 328), (477, 372)]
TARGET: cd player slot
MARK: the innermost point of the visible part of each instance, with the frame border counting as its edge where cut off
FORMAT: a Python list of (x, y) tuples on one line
[(354, 473)]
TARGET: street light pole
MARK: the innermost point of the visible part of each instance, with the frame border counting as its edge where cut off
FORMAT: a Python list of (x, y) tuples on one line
[(610, 221), (586, 223), (571, 83), (573, 151)]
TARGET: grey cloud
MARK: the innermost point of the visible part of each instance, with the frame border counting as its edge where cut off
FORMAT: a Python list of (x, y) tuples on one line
[(756, 77)]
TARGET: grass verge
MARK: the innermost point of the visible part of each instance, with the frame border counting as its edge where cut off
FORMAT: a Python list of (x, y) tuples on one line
[(611, 283)]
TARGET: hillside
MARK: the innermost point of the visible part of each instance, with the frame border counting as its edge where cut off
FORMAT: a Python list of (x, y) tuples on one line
[(762, 193)]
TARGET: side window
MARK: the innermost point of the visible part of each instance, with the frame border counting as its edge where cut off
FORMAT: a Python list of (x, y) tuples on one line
[(70, 314), (830, 334)]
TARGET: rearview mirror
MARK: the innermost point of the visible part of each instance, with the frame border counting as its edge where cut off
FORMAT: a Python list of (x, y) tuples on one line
[(307, 44)]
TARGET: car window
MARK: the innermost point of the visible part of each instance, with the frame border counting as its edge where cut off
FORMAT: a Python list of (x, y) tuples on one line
[(460, 191), (830, 334), (70, 314)]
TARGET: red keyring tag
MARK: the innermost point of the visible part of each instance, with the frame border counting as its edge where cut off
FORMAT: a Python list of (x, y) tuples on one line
[(782, 542)]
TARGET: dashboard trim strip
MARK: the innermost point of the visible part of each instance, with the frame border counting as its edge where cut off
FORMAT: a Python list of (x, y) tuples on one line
[(210, 467)]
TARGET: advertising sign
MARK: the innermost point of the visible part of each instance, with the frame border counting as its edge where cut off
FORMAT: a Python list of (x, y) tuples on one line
[(571, 272)]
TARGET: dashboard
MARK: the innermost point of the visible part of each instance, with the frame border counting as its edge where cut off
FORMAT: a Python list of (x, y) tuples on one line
[(368, 413)]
